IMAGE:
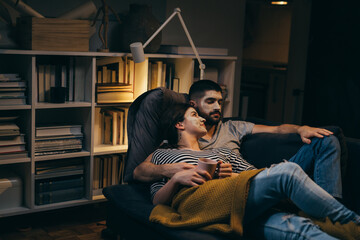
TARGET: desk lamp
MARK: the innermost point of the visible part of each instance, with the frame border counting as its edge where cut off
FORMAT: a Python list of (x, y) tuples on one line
[(137, 48)]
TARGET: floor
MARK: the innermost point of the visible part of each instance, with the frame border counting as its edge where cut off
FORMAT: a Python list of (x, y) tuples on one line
[(76, 223)]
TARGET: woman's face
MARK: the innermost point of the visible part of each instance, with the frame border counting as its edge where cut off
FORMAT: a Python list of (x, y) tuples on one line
[(193, 123)]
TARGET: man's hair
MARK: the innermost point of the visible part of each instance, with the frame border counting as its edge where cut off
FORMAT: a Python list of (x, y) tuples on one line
[(171, 117), (198, 89)]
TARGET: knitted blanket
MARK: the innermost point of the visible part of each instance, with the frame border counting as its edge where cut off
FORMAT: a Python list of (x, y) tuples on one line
[(216, 206)]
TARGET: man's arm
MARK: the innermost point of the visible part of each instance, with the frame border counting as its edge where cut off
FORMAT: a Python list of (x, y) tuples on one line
[(305, 132), (149, 172)]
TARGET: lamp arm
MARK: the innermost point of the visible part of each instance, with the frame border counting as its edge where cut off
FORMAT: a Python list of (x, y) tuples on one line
[(160, 28), (201, 64)]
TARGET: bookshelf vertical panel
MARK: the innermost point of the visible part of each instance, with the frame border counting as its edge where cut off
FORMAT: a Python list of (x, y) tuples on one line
[(88, 177), (227, 78), (141, 78), (184, 70)]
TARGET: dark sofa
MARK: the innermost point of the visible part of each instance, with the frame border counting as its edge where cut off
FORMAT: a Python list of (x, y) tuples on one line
[(130, 205)]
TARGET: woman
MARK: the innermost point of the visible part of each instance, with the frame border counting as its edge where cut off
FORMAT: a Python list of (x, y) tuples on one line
[(242, 195)]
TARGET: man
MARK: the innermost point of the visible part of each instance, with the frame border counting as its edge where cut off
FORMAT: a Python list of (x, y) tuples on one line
[(320, 156)]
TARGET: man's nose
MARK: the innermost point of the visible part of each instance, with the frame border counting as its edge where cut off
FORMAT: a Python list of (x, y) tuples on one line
[(217, 105)]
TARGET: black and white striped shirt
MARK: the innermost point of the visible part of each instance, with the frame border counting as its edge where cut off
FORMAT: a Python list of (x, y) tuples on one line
[(168, 156)]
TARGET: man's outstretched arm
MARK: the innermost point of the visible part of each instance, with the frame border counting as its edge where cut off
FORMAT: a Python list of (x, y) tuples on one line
[(149, 172), (305, 132)]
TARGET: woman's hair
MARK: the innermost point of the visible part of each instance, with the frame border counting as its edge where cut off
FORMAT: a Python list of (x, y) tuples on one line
[(174, 115)]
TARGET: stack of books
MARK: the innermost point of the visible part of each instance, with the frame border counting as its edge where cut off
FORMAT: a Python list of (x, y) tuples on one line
[(12, 142), (12, 89), (58, 139), (115, 80), (108, 170), (114, 93), (58, 181)]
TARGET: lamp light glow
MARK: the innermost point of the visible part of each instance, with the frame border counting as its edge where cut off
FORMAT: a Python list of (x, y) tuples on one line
[(279, 2)]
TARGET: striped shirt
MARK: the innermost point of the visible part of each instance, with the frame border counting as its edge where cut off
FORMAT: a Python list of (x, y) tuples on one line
[(168, 156)]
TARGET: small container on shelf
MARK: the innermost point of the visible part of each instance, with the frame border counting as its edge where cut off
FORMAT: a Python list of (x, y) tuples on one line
[(11, 190)]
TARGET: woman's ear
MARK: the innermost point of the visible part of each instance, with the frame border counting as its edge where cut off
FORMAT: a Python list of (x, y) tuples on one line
[(180, 125), (192, 103)]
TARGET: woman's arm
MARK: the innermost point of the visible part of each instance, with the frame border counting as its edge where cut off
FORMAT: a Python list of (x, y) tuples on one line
[(190, 177), (149, 172)]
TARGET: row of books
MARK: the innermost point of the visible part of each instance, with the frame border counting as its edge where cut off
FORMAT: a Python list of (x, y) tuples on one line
[(111, 123), (161, 74), (12, 142), (115, 70), (58, 139), (12, 89), (59, 181), (65, 75), (108, 170)]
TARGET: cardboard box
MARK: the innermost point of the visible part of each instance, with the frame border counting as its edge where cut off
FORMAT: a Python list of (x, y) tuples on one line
[(53, 34), (10, 190)]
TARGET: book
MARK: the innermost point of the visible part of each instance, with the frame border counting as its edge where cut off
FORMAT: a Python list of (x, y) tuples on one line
[(9, 76), (187, 50), (58, 130), (13, 84), (12, 101), (59, 195), (14, 155), (71, 73), (9, 129), (11, 149), (41, 83), (13, 94), (8, 141), (60, 183), (47, 80)]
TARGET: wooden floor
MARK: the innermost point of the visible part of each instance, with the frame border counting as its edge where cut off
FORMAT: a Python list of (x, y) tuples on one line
[(77, 223)]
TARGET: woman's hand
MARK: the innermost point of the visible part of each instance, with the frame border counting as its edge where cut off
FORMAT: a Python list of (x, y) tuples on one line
[(191, 177), (225, 170)]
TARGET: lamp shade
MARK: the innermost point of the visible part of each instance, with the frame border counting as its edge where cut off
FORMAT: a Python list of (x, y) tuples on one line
[(137, 52)]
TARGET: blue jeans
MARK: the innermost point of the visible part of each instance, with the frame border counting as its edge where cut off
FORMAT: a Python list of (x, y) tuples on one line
[(321, 161), (288, 181)]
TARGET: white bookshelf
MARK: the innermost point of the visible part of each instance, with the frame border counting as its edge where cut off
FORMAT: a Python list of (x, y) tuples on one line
[(83, 112)]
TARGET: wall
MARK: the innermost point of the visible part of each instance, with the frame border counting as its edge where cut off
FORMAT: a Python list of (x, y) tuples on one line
[(267, 32), (211, 23)]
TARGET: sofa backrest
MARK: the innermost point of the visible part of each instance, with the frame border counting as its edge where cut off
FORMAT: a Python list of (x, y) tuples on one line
[(144, 133)]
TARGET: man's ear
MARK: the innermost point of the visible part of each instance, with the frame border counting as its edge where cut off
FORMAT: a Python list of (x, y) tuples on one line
[(180, 125), (192, 103)]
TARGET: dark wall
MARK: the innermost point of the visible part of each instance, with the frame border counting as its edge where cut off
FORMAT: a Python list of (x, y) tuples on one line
[(332, 91)]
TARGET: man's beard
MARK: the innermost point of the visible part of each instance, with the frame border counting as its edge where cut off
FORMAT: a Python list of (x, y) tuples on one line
[(209, 120)]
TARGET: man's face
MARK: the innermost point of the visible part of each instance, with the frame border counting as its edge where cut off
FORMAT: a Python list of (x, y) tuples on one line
[(209, 107)]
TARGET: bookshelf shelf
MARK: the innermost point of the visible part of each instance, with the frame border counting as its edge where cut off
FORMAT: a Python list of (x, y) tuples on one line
[(62, 105), (81, 108)]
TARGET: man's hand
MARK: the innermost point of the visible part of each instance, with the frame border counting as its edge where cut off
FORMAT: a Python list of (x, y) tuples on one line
[(171, 169), (191, 177), (225, 170), (307, 132)]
